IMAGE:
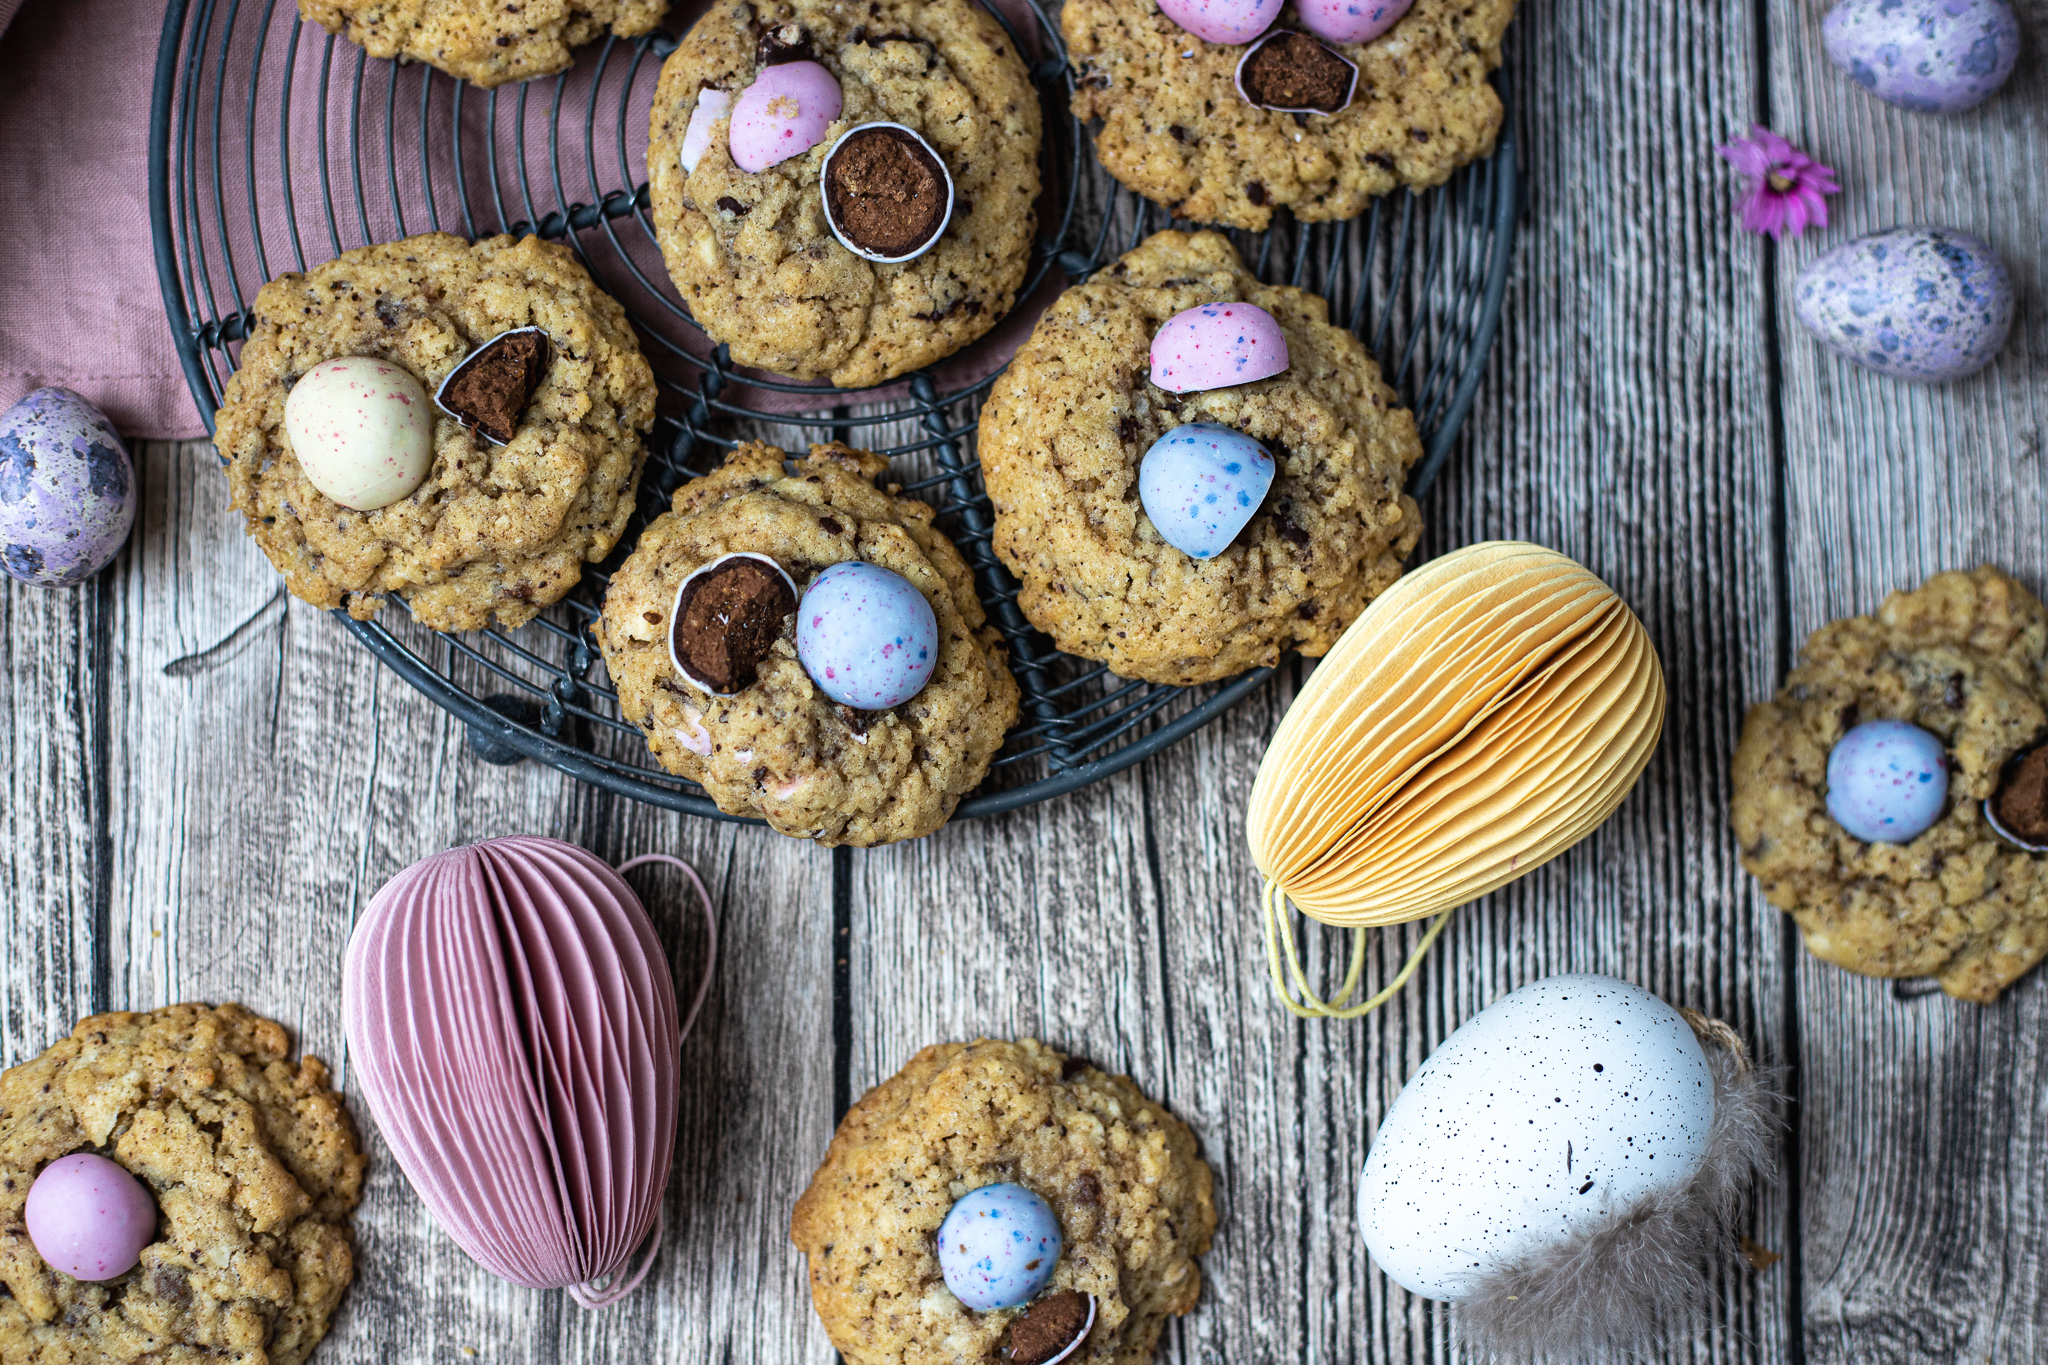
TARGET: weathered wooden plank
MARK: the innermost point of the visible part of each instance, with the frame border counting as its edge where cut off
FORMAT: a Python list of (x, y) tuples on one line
[(1925, 1180), (270, 775)]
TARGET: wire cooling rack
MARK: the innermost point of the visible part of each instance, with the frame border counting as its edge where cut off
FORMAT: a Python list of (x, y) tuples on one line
[(275, 146)]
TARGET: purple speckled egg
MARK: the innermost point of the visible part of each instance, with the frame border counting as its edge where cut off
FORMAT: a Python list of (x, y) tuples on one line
[(67, 491), (784, 113), (998, 1247), (1887, 781), (866, 636), (1228, 22), (1350, 21), (1201, 483), (1927, 304), (1934, 56), (88, 1217), (1216, 345)]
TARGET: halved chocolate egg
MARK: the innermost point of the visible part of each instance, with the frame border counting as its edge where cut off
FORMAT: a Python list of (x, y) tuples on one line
[(1292, 73), (728, 616), (490, 389), (888, 196)]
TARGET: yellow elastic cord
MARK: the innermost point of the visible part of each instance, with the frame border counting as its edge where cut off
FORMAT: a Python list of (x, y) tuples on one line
[(1302, 1001)]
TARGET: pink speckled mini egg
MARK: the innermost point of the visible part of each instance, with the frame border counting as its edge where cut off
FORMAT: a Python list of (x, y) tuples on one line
[(88, 1217), (784, 113), (1222, 21), (1350, 21), (1216, 345), (866, 636), (362, 431)]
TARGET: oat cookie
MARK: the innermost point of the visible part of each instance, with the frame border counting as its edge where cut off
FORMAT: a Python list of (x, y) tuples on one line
[(1064, 430), (1175, 129), (752, 254), (781, 749), (252, 1163), (485, 42), (1134, 1201), (495, 531), (1964, 656)]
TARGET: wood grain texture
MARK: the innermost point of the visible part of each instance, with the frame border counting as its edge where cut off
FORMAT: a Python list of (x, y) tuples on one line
[(1925, 1120), (206, 782)]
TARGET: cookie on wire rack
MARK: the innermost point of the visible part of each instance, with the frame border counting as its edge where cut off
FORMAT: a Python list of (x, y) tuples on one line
[(752, 253), (1176, 129), (489, 531), (484, 42), (1068, 424), (770, 742)]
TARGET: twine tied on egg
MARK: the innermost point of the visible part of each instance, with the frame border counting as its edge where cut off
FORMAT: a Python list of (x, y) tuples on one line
[(1481, 716)]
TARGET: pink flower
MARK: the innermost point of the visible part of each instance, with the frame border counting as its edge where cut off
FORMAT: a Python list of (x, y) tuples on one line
[(1787, 188)]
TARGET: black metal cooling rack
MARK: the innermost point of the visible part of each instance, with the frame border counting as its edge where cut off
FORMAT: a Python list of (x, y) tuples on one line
[(275, 146)]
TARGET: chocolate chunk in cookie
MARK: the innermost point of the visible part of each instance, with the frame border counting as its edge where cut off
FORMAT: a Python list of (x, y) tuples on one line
[(488, 391), (728, 616)]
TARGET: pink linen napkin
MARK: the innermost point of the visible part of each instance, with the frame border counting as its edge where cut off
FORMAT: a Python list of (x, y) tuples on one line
[(79, 295)]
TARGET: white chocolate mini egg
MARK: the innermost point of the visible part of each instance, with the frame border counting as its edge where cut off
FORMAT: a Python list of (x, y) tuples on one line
[(998, 1247), (1546, 1114), (867, 636), (1350, 21), (1216, 345), (784, 113), (1228, 22), (362, 429), (712, 105), (1887, 781), (1201, 483)]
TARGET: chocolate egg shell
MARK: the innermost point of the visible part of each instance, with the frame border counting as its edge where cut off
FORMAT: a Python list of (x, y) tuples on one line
[(1932, 56), (1919, 303), (711, 106), (892, 207), (67, 490), (490, 389)]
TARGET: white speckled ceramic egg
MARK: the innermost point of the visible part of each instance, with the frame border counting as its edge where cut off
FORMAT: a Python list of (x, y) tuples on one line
[(1350, 21), (67, 491), (998, 1247), (1217, 346), (866, 635), (1887, 781), (1935, 56), (362, 430), (1201, 483), (1551, 1109), (1927, 304)]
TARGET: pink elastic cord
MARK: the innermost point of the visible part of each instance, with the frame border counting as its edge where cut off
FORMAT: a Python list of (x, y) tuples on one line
[(605, 1290)]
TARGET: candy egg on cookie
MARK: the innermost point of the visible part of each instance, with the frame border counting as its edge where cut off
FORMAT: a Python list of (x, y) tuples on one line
[(999, 1246), (1350, 21), (88, 1217), (362, 431), (1926, 304), (784, 113), (1201, 483), (67, 490), (1223, 21), (1887, 781), (1292, 73), (727, 617), (887, 195), (1216, 345), (712, 105), (866, 635)]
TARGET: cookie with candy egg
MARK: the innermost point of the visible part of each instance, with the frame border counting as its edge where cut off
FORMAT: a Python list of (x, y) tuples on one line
[(455, 426), (809, 647), (845, 192), (1194, 472), (1893, 795), (1033, 1208), (1226, 110)]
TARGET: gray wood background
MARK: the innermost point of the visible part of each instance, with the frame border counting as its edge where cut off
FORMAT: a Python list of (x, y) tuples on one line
[(205, 782)]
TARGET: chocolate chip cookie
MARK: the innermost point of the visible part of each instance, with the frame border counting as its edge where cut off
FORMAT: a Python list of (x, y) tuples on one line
[(753, 254), (484, 42), (250, 1159), (1066, 426), (779, 748), (1964, 656), (1175, 129), (496, 531), (1133, 1199)]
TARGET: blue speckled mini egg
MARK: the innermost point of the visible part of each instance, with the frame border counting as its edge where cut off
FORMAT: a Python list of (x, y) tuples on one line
[(866, 636), (1887, 781), (1935, 56), (998, 1247), (1200, 484), (1928, 304), (67, 491), (1543, 1116)]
